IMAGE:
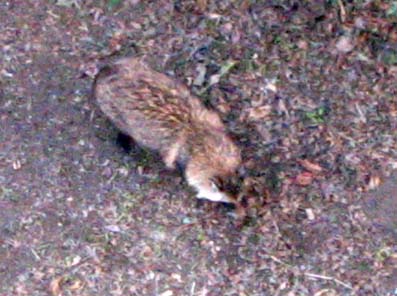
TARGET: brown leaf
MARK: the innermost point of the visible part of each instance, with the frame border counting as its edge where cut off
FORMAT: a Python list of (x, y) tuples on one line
[(344, 44), (259, 113), (55, 286), (304, 179), (76, 285), (167, 293), (310, 166), (202, 5), (374, 182)]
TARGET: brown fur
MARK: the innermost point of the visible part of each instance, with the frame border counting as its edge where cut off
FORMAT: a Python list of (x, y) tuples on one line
[(162, 114)]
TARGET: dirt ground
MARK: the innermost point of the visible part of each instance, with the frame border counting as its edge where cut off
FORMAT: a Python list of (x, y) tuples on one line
[(307, 88)]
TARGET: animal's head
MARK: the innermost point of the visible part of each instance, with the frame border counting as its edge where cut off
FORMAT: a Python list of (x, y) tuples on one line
[(222, 187)]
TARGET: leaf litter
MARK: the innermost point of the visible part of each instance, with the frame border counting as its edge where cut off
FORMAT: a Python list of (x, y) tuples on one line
[(308, 90)]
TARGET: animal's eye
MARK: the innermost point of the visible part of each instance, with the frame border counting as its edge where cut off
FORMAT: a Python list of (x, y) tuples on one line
[(216, 184)]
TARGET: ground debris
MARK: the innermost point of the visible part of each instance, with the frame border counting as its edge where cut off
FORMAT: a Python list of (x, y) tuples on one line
[(306, 87)]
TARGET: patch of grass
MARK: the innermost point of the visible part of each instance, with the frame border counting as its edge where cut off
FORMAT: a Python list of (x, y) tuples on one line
[(90, 236), (8, 194), (332, 3), (114, 3), (382, 254), (129, 201), (273, 180), (277, 39), (246, 65), (156, 181), (390, 57), (248, 62), (364, 266), (317, 116), (179, 66), (349, 175), (211, 24), (219, 49), (255, 239), (392, 11), (11, 227), (201, 236), (143, 157)]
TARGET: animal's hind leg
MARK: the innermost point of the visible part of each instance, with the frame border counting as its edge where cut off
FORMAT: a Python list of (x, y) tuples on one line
[(170, 156), (125, 141)]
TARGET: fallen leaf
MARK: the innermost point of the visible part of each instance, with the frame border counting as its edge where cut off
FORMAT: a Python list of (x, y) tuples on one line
[(176, 277), (76, 285), (167, 293), (326, 292), (310, 214), (302, 44), (68, 3), (147, 252), (55, 286), (113, 228), (271, 85), (224, 70), (344, 44), (202, 4), (310, 166), (259, 113), (304, 179), (199, 80), (374, 182)]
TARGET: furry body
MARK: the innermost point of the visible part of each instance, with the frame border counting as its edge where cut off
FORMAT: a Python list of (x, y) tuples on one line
[(162, 114)]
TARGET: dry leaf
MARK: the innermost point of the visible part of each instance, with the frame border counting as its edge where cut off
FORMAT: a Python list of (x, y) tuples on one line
[(199, 80), (304, 179), (374, 182), (223, 71), (77, 285), (271, 85), (146, 252), (113, 228), (16, 165), (310, 214), (310, 166), (176, 277), (344, 44), (167, 293), (55, 286), (259, 113), (202, 4), (326, 292), (68, 3)]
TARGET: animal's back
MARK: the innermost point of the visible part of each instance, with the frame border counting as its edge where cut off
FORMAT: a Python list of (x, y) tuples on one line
[(151, 107), (143, 103)]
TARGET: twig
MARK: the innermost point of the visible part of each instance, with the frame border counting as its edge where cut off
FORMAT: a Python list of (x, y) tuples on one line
[(328, 278), (156, 285), (216, 77), (275, 259), (279, 261), (311, 275), (192, 288), (342, 11)]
